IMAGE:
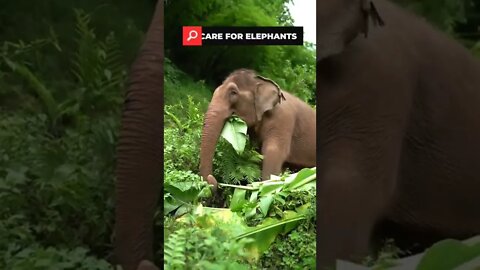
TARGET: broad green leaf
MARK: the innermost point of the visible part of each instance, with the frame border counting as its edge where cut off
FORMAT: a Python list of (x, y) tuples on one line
[(303, 177), (263, 239), (271, 187), (265, 203), (265, 234), (307, 186), (206, 192), (235, 132), (291, 225), (254, 196), (280, 199), (448, 254), (268, 224), (170, 204), (238, 200), (186, 196), (221, 218), (250, 212), (182, 210)]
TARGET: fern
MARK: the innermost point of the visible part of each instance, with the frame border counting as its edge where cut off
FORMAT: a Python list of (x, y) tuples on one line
[(234, 168), (174, 250), (97, 66)]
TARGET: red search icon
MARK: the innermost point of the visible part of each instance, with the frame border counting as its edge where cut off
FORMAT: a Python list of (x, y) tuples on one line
[(192, 36)]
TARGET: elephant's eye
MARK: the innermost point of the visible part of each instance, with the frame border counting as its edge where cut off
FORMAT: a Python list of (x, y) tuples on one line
[(233, 95), (233, 91)]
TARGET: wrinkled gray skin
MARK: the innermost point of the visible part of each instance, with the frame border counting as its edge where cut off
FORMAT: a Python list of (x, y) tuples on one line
[(139, 153), (399, 131), (283, 124)]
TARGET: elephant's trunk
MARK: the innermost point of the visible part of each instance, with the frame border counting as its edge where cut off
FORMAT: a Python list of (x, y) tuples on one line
[(215, 117), (139, 152)]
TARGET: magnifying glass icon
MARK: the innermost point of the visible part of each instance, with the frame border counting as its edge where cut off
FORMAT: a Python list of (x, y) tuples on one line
[(192, 35)]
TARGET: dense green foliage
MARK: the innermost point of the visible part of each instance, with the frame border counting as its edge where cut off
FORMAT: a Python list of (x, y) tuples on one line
[(57, 155), (63, 67)]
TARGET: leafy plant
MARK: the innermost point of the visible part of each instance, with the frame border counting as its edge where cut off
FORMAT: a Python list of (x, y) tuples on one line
[(263, 194), (449, 254), (264, 232), (387, 256), (66, 180), (197, 245), (235, 132), (182, 189), (295, 250), (39, 258), (235, 168), (97, 68)]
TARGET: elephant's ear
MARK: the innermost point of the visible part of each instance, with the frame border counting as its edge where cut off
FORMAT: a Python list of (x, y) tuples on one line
[(370, 12), (267, 95)]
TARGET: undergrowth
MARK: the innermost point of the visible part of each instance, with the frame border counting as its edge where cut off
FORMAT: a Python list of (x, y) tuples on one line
[(58, 152)]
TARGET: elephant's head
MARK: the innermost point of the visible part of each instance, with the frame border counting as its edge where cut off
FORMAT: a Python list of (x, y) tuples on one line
[(242, 93), (341, 21)]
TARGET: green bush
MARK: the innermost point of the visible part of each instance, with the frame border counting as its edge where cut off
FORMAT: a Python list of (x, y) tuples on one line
[(191, 247), (39, 258), (56, 159), (56, 190), (295, 250)]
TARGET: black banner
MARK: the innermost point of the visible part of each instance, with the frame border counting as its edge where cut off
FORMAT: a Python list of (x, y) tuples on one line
[(242, 35)]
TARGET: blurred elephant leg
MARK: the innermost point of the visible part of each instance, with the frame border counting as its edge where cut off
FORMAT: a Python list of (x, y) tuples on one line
[(139, 153), (275, 152)]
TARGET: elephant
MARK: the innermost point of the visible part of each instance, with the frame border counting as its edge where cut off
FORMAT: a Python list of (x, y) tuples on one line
[(283, 124), (140, 153), (398, 106)]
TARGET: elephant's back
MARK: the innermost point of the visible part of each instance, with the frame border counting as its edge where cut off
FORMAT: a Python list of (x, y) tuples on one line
[(303, 146)]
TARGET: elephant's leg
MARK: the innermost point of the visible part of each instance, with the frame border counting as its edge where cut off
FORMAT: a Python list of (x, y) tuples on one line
[(275, 151), (362, 123), (357, 180)]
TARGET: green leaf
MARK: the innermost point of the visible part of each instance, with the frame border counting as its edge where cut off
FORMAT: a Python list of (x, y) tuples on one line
[(265, 233), (263, 240), (270, 187), (235, 132), (302, 177), (291, 225), (250, 212), (265, 203), (170, 204), (182, 210), (39, 88), (254, 196), (185, 195), (448, 254), (238, 200)]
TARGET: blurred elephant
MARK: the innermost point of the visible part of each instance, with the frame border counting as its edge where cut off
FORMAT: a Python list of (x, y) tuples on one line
[(399, 131), (139, 153), (283, 124)]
